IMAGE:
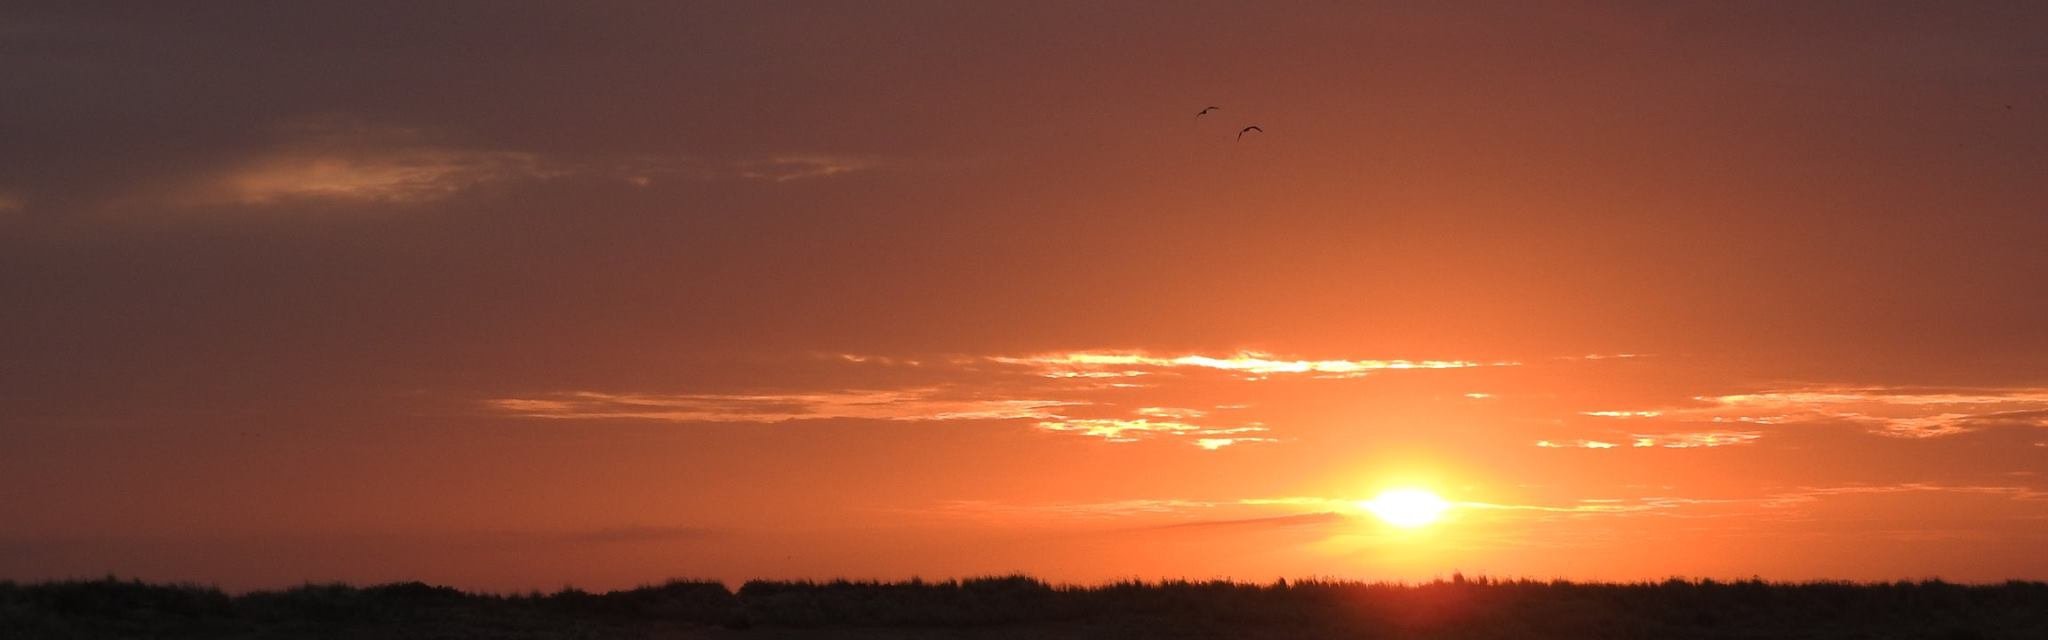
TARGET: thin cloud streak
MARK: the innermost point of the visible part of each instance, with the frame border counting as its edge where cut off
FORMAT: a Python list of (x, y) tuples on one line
[(1159, 422), (339, 158), (1680, 440), (403, 176), (799, 166), (414, 175), (1601, 506), (1890, 411), (1318, 519), (1253, 363), (914, 405), (1815, 494), (975, 392), (1575, 444)]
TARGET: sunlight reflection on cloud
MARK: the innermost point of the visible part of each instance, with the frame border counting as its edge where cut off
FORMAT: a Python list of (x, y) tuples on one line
[(1898, 412), (1248, 362), (902, 405)]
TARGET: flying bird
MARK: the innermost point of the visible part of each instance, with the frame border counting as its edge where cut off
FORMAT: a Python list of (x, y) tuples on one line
[(1241, 132), (1205, 111)]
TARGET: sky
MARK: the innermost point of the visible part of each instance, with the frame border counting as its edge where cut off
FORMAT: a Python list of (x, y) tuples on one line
[(520, 295)]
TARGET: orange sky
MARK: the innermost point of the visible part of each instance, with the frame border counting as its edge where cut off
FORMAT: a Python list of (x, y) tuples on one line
[(507, 297)]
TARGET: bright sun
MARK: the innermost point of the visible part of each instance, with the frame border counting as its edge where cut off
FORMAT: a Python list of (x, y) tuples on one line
[(1406, 508)]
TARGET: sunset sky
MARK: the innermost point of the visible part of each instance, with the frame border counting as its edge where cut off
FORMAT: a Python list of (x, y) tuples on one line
[(506, 296)]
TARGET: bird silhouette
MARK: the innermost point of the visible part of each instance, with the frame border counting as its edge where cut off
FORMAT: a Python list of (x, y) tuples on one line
[(1205, 111), (1241, 132)]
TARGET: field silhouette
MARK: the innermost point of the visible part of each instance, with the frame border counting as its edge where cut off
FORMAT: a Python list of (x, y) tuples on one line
[(1023, 607)]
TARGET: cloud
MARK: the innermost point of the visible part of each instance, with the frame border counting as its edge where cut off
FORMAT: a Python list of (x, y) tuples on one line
[(1695, 440), (1813, 494), (1602, 506), (1171, 412), (1213, 444), (1168, 423), (927, 404), (1318, 519), (1773, 504), (1891, 411), (1623, 414), (1176, 510), (1255, 364), (339, 158), (1114, 429), (988, 509), (1680, 440), (920, 404), (800, 166), (1574, 444), (401, 176), (10, 203), (1044, 389)]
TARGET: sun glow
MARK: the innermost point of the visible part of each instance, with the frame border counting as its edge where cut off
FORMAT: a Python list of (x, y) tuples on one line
[(1406, 508)]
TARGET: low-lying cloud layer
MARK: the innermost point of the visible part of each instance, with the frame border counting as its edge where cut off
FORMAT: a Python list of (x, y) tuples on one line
[(1692, 440), (906, 405), (1891, 411), (1250, 363), (1057, 393), (340, 160)]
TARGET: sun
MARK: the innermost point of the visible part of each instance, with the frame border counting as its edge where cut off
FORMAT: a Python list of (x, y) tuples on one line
[(1407, 508)]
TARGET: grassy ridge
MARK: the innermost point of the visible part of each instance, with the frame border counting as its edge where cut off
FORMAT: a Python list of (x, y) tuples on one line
[(1017, 606)]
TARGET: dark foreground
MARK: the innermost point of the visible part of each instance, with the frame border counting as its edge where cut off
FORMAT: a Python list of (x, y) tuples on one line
[(1019, 607)]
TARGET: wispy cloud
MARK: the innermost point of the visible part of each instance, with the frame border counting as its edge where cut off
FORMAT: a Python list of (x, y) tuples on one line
[(336, 158), (1175, 510), (910, 405), (1575, 444), (799, 166), (989, 509), (1892, 411), (408, 175), (1116, 429), (1177, 413), (1695, 440), (1048, 390), (1679, 440), (1160, 422), (900, 405), (1250, 363), (1319, 519), (1213, 444), (1600, 506), (1813, 494), (1623, 414)]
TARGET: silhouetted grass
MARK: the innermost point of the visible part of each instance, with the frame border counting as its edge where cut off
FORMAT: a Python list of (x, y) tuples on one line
[(1021, 607)]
